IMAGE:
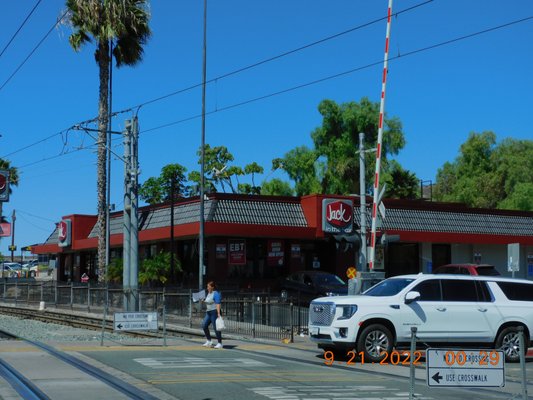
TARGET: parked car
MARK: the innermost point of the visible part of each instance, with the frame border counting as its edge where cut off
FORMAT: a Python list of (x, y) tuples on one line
[(31, 267), (31, 263), (11, 269), (312, 284), (467, 311), (467, 269)]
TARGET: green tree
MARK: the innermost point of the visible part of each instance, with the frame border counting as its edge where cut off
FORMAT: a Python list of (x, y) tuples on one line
[(489, 175), (220, 173), (114, 270), (157, 268), (332, 166), (401, 184), (5, 165), (159, 189), (123, 26), (277, 187)]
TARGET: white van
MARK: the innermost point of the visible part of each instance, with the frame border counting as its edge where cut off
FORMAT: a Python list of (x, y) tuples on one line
[(472, 311)]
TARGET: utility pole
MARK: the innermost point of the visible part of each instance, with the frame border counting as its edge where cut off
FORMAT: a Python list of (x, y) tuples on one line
[(13, 218), (202, 161), (362, 198), (134, 226), (130, 228), (172, 244), (126, 225)]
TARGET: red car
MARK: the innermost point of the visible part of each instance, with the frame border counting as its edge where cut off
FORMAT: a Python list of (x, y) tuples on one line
[(467, 269)]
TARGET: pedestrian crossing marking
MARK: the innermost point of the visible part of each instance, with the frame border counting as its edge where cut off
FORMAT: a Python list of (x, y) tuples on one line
[(198, 362), (330, 392)]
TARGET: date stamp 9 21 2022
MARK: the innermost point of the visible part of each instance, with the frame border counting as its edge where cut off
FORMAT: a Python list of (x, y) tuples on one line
[(394, 358)]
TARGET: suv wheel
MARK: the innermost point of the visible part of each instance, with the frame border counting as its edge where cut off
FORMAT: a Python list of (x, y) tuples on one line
[(509, 342), (375, 341)]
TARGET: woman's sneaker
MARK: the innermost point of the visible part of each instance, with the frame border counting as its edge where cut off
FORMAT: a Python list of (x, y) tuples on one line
[(219, 346), (209, 343)]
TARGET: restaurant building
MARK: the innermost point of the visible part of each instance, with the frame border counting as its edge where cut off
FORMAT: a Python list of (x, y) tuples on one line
[(253, 241)]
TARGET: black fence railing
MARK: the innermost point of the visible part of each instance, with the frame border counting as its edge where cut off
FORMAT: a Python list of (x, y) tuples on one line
[(256, 315)]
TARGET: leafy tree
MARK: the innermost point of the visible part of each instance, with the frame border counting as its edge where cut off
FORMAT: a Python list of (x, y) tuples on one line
[(157, 268), (277, 187), (333, 165), (123, 26), (159, 189), (115, 270), (5, 165), (401, 184), (489, 175), (521, 198), (220, 172)]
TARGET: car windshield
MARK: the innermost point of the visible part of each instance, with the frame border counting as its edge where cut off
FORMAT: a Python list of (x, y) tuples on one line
[(328, 279), (388, 287)]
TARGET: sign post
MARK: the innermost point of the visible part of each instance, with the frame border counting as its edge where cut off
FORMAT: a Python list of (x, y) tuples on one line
[(465, 368), (135, 321)]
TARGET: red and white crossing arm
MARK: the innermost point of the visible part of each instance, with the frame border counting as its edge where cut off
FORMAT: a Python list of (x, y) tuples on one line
[(379, 144)]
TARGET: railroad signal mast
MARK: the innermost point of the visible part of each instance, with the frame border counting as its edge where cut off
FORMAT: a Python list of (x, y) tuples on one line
[(376, 198)]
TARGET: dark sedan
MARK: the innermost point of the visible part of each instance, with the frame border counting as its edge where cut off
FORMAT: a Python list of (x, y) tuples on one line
[(312, 284)]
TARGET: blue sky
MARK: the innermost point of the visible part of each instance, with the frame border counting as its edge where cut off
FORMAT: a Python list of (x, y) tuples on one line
[(441, 95)]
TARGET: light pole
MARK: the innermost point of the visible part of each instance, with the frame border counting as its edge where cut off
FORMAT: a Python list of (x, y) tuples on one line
[(202, 160), (362, 198)]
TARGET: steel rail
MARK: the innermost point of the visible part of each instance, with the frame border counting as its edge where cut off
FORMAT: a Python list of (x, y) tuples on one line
[(22, 385), (29, 391)]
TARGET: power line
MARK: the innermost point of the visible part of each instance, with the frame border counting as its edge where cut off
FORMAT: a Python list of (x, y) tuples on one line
[(20, 27), (320, 80), (219, 77), (33, 51), (267, 60)]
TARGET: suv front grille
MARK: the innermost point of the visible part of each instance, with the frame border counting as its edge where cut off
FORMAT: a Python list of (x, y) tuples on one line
[(321, 313)]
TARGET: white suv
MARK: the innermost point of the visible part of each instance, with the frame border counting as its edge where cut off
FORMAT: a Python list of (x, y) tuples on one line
[(446, 309)]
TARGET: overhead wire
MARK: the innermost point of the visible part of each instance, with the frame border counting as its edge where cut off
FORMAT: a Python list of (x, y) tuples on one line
[(350, 71), (320, 80), (33, 51), (256, 64), (20, 27), (281, 55)]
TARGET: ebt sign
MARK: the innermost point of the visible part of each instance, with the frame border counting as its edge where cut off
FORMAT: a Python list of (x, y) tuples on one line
[(337, 216)]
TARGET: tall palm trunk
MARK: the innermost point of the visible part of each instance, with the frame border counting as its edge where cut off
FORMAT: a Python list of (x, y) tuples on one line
[(103, 65)]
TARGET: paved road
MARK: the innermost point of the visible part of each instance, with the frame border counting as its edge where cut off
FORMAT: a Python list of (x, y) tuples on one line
[(245, 370)]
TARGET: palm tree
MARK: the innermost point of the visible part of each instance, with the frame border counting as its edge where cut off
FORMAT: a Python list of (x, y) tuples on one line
[(124, 24), (5, 165)]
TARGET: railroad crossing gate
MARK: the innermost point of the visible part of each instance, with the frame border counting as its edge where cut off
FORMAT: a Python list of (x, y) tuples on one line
[(135, 321), (465, 368)]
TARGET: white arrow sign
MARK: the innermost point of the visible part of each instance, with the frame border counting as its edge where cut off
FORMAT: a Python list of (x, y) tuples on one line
[(465, 368), (135, 321)]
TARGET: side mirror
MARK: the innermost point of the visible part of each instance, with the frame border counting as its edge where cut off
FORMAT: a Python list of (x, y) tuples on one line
[(412, 296)]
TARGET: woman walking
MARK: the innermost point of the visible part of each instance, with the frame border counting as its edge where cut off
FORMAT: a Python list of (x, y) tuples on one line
[(213, 311)]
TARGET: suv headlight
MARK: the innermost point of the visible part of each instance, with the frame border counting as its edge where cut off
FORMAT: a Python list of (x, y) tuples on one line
[(347, 311)]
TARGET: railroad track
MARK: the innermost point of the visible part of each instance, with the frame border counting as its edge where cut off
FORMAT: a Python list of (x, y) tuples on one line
[(83, 321), (29, 391), (68, 319)]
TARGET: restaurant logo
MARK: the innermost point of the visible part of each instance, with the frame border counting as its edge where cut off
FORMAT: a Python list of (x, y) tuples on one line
[(64, 233), (337, 216), (4, 185)]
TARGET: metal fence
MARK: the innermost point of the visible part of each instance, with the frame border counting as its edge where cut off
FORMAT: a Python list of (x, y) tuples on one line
[(256, 315)]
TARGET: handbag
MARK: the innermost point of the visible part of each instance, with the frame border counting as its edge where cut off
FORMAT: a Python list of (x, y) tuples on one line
[(219, 324)]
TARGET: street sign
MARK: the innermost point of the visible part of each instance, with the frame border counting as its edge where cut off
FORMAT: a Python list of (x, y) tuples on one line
[(135, 321), (465, 368), (351, 272)]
